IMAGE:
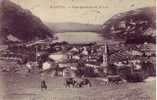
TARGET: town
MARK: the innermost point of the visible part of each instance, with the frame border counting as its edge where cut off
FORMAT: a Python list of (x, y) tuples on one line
[(89, 60)]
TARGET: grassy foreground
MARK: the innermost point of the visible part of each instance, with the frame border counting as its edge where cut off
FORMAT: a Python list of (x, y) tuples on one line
[(18, 87)]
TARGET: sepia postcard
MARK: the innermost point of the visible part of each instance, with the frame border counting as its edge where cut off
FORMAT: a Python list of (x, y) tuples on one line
[(77, 49)]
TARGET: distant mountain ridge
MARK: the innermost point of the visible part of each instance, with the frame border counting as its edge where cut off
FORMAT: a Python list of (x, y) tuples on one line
[(73, 27)]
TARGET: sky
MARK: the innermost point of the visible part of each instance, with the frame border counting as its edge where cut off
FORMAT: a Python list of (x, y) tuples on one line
[(81, 11)]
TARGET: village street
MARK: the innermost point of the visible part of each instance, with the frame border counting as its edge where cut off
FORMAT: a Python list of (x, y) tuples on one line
[(18, 87)]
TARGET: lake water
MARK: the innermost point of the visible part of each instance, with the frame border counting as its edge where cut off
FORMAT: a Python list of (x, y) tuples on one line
[(80, 37)]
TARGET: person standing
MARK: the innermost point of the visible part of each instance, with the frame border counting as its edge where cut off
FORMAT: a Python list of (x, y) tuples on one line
[(43, 84)]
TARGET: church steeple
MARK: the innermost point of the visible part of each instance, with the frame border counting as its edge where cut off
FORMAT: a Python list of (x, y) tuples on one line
[(105, 58)]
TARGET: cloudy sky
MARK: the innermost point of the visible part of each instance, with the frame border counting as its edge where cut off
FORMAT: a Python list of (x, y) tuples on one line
[(82, 11)]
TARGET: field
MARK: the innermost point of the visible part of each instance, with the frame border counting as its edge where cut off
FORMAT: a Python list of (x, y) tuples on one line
[(20, 87)]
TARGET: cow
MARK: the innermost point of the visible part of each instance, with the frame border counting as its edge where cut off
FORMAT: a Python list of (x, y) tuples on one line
[(114, 79), (81, 82), (77, 82), (68, 82)]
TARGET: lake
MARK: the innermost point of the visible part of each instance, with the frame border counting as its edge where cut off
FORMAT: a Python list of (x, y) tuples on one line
[(79, 37)]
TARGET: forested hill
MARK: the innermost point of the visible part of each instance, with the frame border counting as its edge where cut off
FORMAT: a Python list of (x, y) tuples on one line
[(21, 23), (135, 26)]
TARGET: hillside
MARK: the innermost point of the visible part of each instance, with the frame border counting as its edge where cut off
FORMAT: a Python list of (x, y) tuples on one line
[(20, 23), (135, 26)]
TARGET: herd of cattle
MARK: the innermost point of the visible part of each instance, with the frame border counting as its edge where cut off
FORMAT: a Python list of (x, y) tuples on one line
[(81, 82)]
